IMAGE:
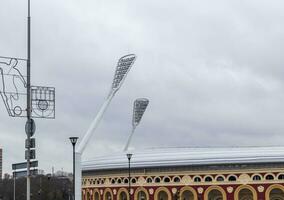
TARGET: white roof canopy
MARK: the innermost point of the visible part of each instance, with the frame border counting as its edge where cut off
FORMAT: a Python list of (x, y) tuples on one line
[(187, 157)]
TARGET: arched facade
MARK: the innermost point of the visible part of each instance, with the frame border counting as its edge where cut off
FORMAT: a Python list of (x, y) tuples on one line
[(275, 196), (108, 194), (122, 194), (88, 194), (96, 194), (269, 176), (188, 193), (141, 194), (159, 181), (245, 192), (162, 193), (243, 187), (215, 193)]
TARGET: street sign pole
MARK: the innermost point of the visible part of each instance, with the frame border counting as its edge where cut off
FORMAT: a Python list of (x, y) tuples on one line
[(23, 166), (40, 101), (28, 96)]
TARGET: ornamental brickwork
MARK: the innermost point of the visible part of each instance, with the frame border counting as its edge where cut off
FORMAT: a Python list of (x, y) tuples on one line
[(231, 182)]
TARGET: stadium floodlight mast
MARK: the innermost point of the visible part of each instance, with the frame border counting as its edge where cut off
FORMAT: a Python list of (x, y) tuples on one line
[(123, 66), (139, 108)]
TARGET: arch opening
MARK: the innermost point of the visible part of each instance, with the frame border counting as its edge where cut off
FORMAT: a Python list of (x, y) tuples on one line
[(276, 194), (141, 195), (162, 195), (108, 196), (88, 195), (215, 195), (123, 196), (96, 195), (245, 194), (187, 195)]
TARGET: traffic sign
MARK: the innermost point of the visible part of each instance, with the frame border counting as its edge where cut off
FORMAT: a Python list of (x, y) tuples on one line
[(30, 127), (23, 165), (30, 144), (33, 172), (32, 154)]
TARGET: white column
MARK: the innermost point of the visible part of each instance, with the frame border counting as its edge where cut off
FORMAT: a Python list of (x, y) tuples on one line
[(78, 177)]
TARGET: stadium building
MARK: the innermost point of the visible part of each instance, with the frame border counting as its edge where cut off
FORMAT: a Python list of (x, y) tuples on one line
[(247, 173)]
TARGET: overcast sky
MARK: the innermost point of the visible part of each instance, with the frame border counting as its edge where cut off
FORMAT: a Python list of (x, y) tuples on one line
[(213, 71)]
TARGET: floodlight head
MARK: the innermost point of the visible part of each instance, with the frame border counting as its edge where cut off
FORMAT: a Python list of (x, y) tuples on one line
[(123, 66), (140, 106)]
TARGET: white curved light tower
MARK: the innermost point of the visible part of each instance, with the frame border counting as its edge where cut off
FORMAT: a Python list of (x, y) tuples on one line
[(139, 108), (123, 66)]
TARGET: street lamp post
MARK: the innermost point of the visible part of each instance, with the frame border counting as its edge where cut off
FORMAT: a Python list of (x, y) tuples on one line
[(129, 155), (73, 141)]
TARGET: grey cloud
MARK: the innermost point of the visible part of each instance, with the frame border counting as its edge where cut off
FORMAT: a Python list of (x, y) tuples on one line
[(211, 69)]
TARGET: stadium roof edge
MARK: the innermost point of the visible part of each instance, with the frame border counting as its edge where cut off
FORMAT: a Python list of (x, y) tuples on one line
[(167, 157)]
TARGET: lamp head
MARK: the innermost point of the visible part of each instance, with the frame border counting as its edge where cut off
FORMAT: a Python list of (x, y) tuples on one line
[(123, 66), (139, 108), (73, 140), (129, 155)]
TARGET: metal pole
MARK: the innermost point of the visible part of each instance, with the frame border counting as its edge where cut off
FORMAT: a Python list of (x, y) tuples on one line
[(73, 171), (73, 141), (86, 139), (129, 184), (40, 187), (28, 94), (129, 139), (78, 176), (129, 176), (14, 185), (82, 145)]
